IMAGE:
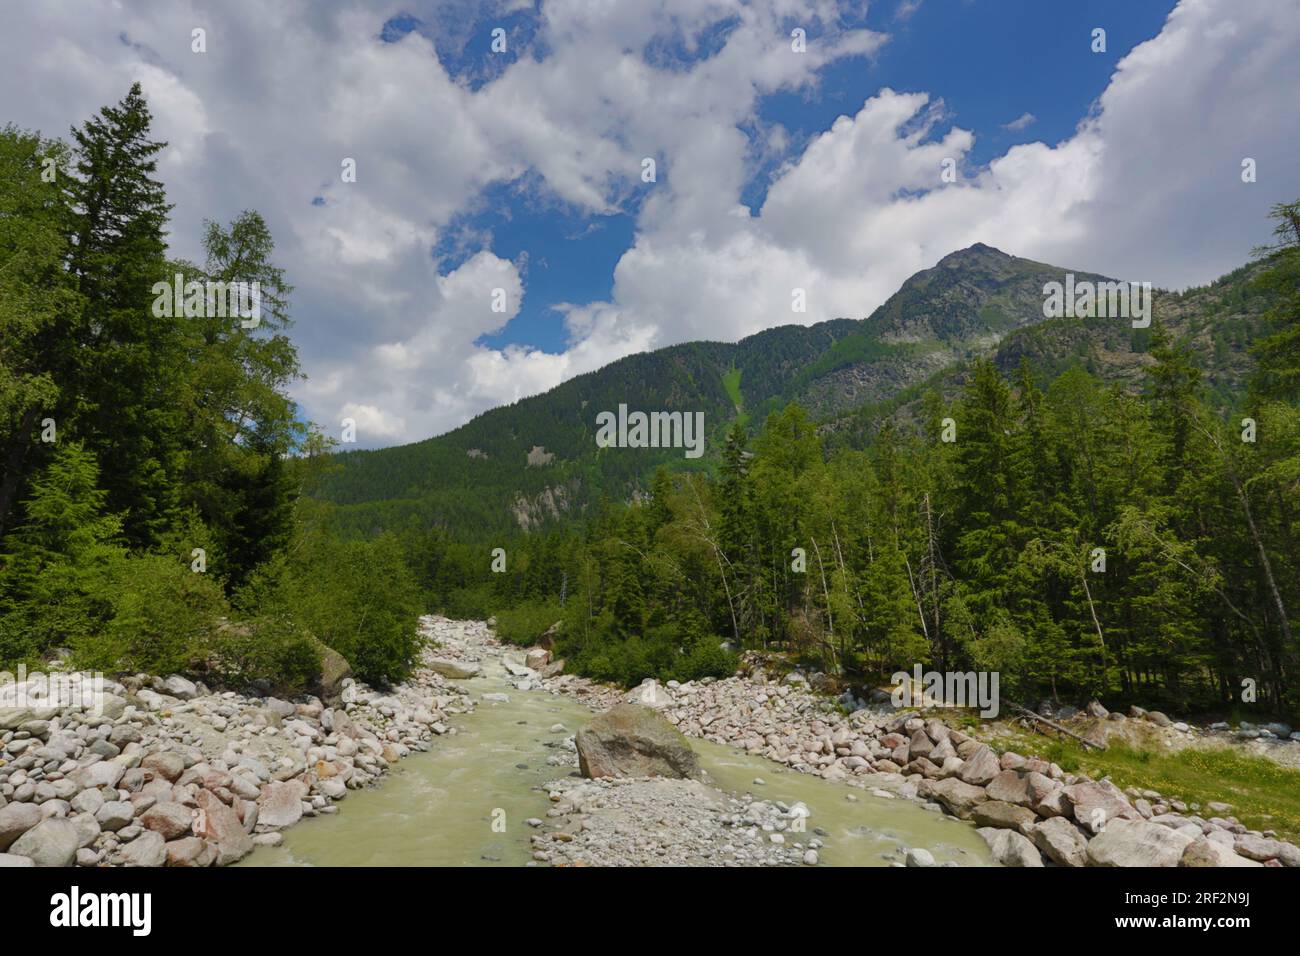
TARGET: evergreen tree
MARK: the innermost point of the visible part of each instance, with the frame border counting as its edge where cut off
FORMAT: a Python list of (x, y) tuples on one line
[(127, 368)]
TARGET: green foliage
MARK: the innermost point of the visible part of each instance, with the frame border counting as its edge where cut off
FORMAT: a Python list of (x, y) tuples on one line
[(358, 597), (165, 619), (272, 648), (59, 579), (131, 435), (525, 623)]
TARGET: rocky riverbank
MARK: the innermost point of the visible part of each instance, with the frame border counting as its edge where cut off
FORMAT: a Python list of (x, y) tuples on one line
[(169, 772), (1029, 811), (166, 772)]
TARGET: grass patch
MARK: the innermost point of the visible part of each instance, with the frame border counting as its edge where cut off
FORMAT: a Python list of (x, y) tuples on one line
[(731, 382)]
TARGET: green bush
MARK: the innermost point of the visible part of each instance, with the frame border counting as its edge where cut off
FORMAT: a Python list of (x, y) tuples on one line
[(273, 648), (526, 623), (360, 598), (164, 621), (662, 653)]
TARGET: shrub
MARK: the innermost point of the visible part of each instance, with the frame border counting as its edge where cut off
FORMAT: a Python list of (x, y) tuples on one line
[(164, 620), (273, 648), (360, 598), (527, 622)]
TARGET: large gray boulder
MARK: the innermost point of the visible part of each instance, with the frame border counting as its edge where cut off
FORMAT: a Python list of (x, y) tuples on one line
[(181, 687), (1010, 848), (1060, 841), (280, 804), (1262, 848), (102, 773), (455, 670), (1137, 843), (958, 797), (15, 820), (1096, 804), (148, 849), (334, 670), (52, 842), (980, 767), (1204, 852), (633, 741), (1004, 816)]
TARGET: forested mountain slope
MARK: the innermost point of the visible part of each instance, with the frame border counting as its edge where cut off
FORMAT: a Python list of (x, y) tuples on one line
[(522, 465)]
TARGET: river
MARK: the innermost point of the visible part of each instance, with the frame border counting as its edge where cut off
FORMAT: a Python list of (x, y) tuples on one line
[(438, 808)]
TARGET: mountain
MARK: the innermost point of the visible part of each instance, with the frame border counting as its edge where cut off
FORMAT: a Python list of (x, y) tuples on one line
[(536, 460)]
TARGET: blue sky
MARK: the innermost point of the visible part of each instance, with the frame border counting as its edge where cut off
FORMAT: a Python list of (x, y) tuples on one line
[(517, 174), (991, 63)]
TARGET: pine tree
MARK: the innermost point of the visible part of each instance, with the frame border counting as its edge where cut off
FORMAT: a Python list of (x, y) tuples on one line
[(123, 388)]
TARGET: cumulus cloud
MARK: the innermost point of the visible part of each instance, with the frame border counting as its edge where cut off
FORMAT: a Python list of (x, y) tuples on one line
[(1148, 187)]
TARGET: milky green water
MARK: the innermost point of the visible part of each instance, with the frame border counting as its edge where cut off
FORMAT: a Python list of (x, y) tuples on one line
[(438, 808)]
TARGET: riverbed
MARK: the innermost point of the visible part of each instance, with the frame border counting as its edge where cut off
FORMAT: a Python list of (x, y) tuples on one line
[(466, 801)]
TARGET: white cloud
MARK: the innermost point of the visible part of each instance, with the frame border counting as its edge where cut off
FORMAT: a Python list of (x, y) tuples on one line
[(1148, 187), (1020, 122)]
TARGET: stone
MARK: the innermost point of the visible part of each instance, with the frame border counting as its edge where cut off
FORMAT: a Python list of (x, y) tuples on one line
[(52, 842), (190, 851), (13, 860), (148, 849), (115, 814), (1009, 847), (651, 694), (981, 766), (88, 801), (537, 658), (1261, 849), (1001, 815), (1137, 843), (15, 820), (918, 857), (454, 670), (632, 741), (334, 671), (547, 640), (1159, 719), (280, 804), (920, 745), (1204, 852), (110, 705), (1010, 786), (167, 765), (1060, 841), (958, 797), (1055, 803), (1096, 805), (171, 820), (104, 773), (218, 824), (178, 686)]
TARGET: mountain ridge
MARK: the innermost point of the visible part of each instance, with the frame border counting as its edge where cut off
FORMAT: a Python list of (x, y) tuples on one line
[(534, 460)]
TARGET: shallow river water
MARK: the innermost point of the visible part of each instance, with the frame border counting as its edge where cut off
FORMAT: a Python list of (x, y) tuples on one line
[(437, 808)]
